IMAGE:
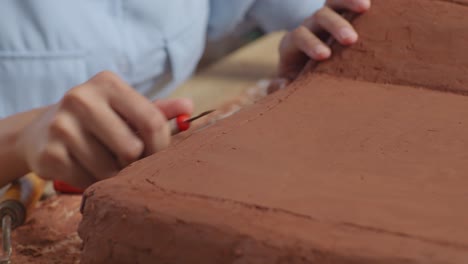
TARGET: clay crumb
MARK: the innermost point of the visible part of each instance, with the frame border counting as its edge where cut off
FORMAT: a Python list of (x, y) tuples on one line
[(30, 252)]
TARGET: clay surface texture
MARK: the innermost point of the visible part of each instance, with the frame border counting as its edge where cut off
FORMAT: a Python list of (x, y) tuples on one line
[(420, 43), (49, 236), (363, 160)]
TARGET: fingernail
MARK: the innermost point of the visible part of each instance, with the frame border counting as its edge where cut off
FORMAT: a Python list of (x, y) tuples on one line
[(347, 35), (361, 5), (321, 52), (365, 5)]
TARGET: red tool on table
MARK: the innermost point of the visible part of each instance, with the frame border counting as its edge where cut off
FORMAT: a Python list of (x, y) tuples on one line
[(177, 125)]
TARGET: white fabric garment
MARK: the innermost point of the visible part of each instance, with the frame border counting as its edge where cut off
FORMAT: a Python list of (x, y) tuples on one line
[(50, 46)]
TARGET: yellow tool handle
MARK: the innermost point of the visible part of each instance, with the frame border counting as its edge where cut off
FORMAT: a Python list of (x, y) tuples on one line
[(16, 203), (21, 197)]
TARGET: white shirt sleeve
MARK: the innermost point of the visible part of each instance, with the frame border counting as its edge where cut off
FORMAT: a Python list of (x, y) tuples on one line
[(270, 15)]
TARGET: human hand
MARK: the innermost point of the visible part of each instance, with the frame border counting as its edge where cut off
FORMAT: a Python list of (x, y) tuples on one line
[(303, 43), (97, 128)]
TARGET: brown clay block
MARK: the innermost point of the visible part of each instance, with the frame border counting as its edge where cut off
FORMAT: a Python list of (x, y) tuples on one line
[(328, 171), (417, 42)]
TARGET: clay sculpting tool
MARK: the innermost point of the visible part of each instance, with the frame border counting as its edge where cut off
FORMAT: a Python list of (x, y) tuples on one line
[(182, 122), (18, 200), (177, 125)]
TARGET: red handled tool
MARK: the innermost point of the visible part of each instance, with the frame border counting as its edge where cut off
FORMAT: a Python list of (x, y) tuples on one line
[(182, 122), (63, 187), (177, 125)]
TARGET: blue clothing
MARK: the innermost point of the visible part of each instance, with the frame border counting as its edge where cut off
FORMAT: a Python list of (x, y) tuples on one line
[(50, 46)]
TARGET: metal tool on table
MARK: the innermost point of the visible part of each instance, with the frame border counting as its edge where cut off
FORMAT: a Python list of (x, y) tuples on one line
[(17, 201), (177, 125)]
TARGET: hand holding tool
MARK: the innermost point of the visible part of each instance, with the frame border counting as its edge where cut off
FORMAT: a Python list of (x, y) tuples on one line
[(177, 125)]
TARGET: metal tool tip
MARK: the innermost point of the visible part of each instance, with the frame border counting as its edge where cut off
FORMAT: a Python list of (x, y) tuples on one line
[(199, 116)]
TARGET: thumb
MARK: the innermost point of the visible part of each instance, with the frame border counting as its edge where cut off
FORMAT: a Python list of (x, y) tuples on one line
[(171, 108)]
